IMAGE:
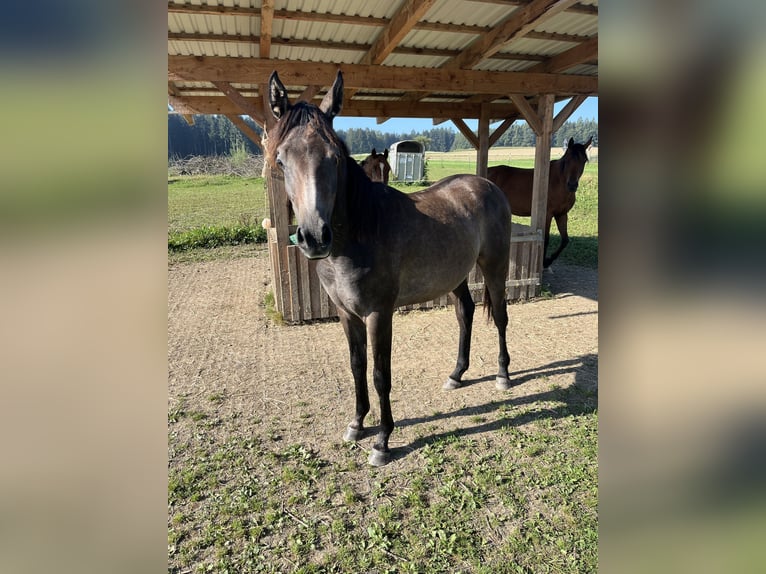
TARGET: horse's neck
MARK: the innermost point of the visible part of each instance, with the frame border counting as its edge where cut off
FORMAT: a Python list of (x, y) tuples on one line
[(556, 175)]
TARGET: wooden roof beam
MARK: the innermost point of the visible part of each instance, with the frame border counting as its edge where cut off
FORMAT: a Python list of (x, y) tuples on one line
[(566, 111), (409, 13), (466, 131), (249, 132), (397, 28), (356, 108), (522, 21), (256, 71), (251, 108), (580, 54), (267, 16)]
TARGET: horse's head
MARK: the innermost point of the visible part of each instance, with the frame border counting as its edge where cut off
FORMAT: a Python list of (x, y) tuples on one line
[(376, 166), (305, 148), (573, 162)]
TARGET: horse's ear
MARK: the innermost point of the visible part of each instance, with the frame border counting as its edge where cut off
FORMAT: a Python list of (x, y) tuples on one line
[(374, 153), (333, 99), (571, 142), (278, 101), (587, 143), (385, 153)]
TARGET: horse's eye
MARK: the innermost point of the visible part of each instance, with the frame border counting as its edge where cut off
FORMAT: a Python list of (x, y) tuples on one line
[(280, 165)]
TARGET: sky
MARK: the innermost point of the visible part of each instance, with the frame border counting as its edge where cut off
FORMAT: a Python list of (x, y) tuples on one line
[(588, 110)]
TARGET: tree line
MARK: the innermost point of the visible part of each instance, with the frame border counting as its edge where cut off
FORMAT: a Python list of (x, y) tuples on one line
[(216, 135)]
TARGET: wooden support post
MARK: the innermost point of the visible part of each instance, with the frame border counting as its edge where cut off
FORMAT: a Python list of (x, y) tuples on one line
[(542, 165), (482, 153)]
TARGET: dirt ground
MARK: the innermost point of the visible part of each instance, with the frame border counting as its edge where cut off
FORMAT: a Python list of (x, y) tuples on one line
[(222, 344)]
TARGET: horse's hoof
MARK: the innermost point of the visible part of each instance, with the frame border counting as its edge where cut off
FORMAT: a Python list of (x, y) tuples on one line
[(378, 457), (352, 434), (502, 384), (451, 384)]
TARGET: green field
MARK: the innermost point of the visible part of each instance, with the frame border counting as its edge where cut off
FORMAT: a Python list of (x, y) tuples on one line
[(218, 211)]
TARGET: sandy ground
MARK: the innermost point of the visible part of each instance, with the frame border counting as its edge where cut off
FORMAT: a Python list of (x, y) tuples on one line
[(220, 342)]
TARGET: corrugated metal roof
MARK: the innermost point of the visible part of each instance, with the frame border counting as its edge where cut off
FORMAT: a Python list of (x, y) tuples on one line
[(342, 32)]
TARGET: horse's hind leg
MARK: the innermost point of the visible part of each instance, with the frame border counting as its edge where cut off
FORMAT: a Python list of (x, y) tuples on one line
[(464, 308), (494, 300), (356, 335)]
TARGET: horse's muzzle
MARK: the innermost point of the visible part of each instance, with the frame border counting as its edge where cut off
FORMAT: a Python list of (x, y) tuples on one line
[(313, 247)]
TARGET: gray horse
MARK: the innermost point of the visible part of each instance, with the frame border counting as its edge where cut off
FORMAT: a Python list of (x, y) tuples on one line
[(379, 248)]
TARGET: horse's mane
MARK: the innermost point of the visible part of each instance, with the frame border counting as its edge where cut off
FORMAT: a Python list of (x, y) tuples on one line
[(364, 202)]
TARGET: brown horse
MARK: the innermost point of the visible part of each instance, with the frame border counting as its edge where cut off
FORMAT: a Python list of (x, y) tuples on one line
[(376, 166), (563, 179), (378, 248)]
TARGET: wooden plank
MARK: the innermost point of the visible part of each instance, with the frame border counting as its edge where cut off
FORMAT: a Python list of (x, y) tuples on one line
[(306, 287), (565, 112), (357, 108), (291, 72), (529, 114), (521, 21), (251, 108), (276, 282), (267, 16), (500, 130), (247, 130), (580, 54), (293, 283), (466, 131), (408, 14)]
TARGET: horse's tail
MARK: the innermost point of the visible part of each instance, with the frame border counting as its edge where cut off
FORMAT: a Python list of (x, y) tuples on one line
[(487, 303)]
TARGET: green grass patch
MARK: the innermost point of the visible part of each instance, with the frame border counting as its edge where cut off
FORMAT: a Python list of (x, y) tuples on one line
[(216, 236), (214, 201), (521, 498)]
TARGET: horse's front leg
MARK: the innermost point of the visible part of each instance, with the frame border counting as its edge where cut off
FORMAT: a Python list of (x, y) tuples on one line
[(379, 328), (356, 335), (561, 223)]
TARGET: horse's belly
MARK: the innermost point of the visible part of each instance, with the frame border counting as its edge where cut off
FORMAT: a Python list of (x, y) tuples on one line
[(421, 283)]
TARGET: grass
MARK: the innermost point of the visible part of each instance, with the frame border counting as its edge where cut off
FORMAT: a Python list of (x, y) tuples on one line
[(520, 499)]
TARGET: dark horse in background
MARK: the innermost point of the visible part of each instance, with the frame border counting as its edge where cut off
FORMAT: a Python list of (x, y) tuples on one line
[(376, 166), (378, 248), (563, 179)]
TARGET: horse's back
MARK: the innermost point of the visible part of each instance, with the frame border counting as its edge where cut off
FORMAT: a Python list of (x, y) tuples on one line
[(516, 184), (454, 223)]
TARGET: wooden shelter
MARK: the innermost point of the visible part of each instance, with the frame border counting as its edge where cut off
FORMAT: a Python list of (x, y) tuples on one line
[(490, 60)]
